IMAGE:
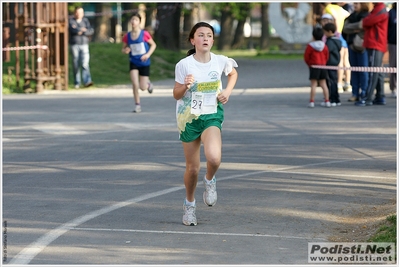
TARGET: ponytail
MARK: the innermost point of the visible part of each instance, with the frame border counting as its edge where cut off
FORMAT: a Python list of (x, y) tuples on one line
[(191, 51)]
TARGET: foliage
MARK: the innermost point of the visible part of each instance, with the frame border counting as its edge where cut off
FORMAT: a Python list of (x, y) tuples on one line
[(108, 66), (235, 8), (72, 6), (9, 84), (188, 8), (387, 232), (9, 80)]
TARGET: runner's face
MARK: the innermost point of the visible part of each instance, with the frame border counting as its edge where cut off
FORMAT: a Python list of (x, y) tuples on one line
[(135, 22), (203, 39)]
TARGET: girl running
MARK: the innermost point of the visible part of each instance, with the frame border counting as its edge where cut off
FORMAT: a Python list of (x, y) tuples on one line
[(139, 45), (199, 112)]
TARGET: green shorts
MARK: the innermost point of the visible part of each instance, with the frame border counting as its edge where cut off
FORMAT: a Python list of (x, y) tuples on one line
[(194, 129)]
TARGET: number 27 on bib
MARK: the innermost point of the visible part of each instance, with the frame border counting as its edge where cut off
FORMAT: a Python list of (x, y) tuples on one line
[(203, 103)]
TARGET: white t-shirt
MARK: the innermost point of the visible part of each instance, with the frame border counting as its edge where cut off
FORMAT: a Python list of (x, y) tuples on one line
[(200, 99)]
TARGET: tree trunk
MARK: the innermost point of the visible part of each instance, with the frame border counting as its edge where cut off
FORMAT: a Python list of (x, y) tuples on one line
[(226, 25), (102, 29), (188, 23), (167, 34), (133, 7), (239, 38), (149, 16), (265, 35)]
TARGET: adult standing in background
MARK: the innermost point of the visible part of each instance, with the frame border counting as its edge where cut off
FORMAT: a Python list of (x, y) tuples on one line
[(392, 28), (348, 6), (79, 32), (375, 27), (357, 55)]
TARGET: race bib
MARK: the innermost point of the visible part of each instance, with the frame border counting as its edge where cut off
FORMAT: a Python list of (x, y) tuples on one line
[(203, 103), (137, 49)]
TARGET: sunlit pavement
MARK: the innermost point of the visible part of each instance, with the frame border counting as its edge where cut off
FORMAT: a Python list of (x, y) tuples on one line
[(86, 181)]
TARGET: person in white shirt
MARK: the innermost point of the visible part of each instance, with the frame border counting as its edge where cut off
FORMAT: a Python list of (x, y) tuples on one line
[(199, 112)]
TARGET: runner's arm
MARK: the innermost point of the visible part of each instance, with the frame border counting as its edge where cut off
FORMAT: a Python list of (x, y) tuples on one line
[(179, 90), (232, 77), (153, 45)]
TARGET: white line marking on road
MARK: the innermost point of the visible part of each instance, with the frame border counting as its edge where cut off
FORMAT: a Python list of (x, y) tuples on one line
[(15, 140), (193, 233), (284, 169), (28, 253), (139, 126), (58, 129), (341, 175)]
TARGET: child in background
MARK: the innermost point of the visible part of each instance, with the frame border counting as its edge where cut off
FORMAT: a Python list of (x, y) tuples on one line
[(338, 15), (316, 53), (334, 47), (139, 45)]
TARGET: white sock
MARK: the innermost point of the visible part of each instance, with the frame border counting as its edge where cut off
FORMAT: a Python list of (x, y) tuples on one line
[(208, 181), (188, 203)]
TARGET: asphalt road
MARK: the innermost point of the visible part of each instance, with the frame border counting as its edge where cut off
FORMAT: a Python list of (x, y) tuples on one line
[(86, 181)]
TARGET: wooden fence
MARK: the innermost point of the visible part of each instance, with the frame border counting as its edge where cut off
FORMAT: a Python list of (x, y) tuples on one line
[(27, 28)]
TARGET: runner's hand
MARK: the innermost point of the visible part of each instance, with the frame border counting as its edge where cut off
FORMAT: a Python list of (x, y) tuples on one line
[(189, 80), (223, 97)]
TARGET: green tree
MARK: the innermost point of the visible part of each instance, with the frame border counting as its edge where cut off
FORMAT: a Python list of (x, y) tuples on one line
[(190, 13), (167, 34), (241, 12), (126, 16), (72, 6), (228, 13), (102, 30), (149, 10), (265, 34), (226, 25)]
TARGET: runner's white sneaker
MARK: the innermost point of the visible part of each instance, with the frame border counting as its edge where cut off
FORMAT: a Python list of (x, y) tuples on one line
[(137, 109), (189, 217), (210, 195), (150, 87)]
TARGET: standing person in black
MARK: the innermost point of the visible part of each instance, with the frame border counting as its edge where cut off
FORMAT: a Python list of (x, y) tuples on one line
[(347, 6), (334, 45), (358, 56), (79, 32), (392, 38)]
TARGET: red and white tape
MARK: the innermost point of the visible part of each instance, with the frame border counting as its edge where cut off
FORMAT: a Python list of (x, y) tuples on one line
[(25, 47), (172, 7), (358, 69)]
